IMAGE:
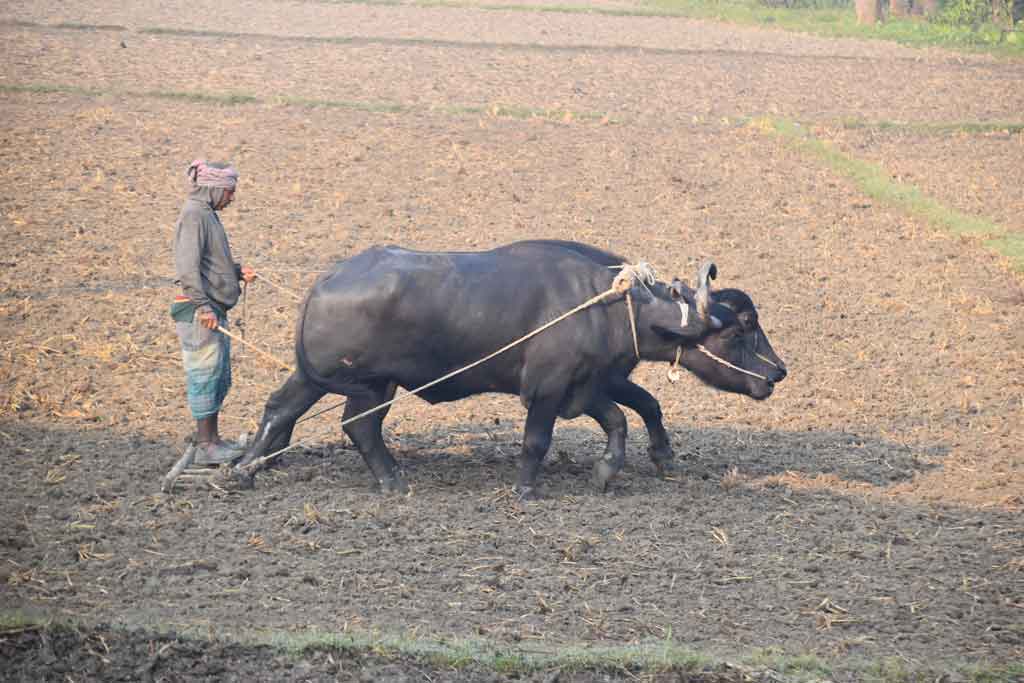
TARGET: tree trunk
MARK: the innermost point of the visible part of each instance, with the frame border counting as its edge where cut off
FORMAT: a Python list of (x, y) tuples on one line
[(1002, 13), (929, 8), (899, 8), (869, 12)]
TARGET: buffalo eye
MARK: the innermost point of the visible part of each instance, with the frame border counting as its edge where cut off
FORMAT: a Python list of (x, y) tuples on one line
[(732, 333)]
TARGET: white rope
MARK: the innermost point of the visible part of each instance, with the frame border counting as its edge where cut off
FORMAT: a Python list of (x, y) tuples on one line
[(674, 375), (642, 272), (255, 348), (621, 284), (632, 323), (767, 360), (727, 364), (295, 295)]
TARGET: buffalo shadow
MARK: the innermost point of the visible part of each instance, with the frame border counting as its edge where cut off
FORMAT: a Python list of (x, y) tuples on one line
[(485, 454)]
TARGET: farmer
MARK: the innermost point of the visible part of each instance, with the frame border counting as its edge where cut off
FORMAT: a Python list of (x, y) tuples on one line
[(209, 280)]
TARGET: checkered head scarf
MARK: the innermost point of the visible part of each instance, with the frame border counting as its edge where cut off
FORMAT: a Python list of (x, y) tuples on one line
[(212, 174)]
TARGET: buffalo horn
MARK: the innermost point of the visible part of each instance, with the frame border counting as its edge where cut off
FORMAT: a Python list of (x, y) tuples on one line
[(708, 271)]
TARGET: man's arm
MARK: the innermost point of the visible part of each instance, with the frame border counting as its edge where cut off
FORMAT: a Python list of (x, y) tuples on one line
[(244, 273)]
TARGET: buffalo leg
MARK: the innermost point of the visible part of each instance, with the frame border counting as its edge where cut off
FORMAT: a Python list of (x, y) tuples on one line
[(366, 435), (638, 399), (540, 423), (283, 408), (613, 422)]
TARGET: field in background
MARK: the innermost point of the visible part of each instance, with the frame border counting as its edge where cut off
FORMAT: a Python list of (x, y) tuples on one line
[(862, 524)]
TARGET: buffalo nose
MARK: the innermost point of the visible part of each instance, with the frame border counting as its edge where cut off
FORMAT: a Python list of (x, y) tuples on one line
[(779, 374)]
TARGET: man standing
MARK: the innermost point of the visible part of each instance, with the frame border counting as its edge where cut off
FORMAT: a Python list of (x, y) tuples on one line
[(209, 279)]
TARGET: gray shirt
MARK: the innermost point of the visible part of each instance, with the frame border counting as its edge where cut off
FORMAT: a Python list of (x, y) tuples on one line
[(202, 256)]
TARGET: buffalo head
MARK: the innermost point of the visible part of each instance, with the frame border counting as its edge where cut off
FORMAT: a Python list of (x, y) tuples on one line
[(723, 343)]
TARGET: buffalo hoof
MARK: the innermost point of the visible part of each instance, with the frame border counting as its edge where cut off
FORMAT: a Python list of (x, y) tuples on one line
[(394, 486), (527, 493), (666, 468), (663, 459), (603, 472), (240, 479)]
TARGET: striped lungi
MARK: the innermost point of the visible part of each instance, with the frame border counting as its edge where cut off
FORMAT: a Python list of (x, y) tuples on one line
[(206, 355)]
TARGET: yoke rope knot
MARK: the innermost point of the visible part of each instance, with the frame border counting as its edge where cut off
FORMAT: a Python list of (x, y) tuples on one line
[(641, 272)]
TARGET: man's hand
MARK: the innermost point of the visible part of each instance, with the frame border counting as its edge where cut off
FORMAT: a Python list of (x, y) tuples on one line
[(248, 274), (207, 319)]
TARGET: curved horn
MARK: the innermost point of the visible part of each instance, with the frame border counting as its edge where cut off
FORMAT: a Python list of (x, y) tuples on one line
[(708, 271)]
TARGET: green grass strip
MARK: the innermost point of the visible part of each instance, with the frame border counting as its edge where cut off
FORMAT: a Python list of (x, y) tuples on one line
[(875, 182), (664, 655), (582, 48), (1010, 245), (89, 27), (230, 99), (653, 656), (833, 22), (973, 127)]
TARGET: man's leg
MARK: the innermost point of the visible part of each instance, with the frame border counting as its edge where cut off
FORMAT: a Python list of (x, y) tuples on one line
[(207, 358)]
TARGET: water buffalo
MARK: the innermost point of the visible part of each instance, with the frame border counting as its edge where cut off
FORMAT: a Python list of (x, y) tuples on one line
[(390, 317)]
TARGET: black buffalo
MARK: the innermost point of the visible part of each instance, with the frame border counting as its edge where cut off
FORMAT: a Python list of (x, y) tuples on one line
[(390, 317)]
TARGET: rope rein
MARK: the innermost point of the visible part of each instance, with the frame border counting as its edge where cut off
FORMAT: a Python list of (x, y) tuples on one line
[(290, 292), (620, 285), (702, 349), (769, 361), (255, 348)]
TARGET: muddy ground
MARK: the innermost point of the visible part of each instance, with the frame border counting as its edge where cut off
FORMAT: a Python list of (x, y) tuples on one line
[(868, 514)]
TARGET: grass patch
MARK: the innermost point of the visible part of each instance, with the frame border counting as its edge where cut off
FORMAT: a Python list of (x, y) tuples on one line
[(231, 99), (44, 89), (432, 42), (89, 27), (975, 127), (1010, 245), (842, 23), (15, 621), (371, 107), (799, 666), (228, 99), (894, 670), (658, 656), (67, 25), (875, 182)]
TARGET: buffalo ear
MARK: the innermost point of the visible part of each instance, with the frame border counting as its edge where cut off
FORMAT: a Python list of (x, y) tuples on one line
[(691, 332)]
